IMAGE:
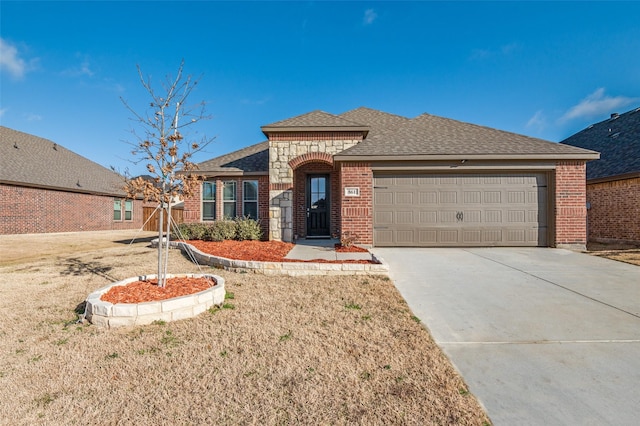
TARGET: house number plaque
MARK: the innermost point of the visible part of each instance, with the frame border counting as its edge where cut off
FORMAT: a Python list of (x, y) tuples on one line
[(351, 191)]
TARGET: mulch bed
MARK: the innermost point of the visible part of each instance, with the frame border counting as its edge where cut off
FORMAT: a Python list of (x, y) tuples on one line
[(148, 291), (264, 251)]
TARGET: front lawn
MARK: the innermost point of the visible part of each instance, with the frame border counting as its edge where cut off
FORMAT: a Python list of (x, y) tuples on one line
[(282, 350)]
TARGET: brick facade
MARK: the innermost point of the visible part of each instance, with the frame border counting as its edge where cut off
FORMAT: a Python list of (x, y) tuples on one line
[(614, 212), (570, 205), (296, 149), (357, 212), (25, 210), (193, 205)]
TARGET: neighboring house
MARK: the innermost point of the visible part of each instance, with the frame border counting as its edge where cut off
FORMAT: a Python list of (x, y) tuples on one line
[(386, 180), (44, 187), (613, 182)]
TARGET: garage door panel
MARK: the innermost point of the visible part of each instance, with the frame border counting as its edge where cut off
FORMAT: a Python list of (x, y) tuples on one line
[(454, 210), (404, 198)]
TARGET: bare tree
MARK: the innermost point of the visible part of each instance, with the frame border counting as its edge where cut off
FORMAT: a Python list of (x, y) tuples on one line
[(162, 147)]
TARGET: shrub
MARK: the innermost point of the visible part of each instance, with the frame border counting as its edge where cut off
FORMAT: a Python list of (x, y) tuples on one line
[(247, 229), (191, 231), (221, 230)]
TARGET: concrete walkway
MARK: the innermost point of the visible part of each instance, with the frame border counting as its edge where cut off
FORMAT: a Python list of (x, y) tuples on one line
[(541, 336), (323, 249)]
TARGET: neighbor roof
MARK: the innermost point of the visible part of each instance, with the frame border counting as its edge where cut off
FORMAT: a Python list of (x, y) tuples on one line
[(318, 121), (432, 137), (28, 160), (618, 141)]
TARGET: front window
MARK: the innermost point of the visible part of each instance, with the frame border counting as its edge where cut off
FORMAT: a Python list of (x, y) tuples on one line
[(250, 199), (208, 201), (117, 209), (229, 199)]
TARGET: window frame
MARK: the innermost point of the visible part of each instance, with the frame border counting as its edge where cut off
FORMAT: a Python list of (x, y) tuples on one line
[(226, 201), (246, 201), (211, 201), (128, 209), (117, 211)]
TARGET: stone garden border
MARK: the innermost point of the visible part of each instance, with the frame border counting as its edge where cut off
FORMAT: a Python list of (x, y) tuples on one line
[(108, 315), (301, 268)]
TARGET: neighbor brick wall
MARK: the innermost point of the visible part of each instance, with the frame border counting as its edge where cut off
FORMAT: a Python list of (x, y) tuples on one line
[(570, 204), (615, 210), (357, 212), (25, 210)]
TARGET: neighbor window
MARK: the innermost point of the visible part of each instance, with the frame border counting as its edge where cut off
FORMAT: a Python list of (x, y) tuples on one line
[(229, 199), (208, 201), (117, 209), (128, 210), (250, 199)]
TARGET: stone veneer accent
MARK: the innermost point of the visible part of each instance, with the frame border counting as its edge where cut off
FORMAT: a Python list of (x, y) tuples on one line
[(284, 149)]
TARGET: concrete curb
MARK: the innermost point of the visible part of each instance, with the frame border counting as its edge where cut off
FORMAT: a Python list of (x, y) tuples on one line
[(282, 268)]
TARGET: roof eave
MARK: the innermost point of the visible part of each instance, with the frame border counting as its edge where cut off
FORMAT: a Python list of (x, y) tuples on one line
[(63, 189), (438, 157), (289, 129), (623, 176)]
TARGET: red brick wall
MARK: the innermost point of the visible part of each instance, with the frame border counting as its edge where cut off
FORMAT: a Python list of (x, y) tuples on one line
[(300, 201), (357, 212), (26, 210), (570, 203), (615, 210), (193, 205)]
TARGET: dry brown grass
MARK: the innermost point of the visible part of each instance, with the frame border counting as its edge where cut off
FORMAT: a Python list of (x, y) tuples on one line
[(628, 253), (340, 350)]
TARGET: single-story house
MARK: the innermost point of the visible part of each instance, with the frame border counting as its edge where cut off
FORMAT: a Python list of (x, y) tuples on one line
[(384, 180), (44, 188), (613, 181)]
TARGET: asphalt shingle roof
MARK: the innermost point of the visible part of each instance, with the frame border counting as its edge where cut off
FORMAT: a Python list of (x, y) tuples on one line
[(315, 120), (37, 162), (254, 158), (378, 121), (618, 141), (430, 135)]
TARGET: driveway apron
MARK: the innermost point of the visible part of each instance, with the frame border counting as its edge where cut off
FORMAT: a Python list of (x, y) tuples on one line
[(541, 336)]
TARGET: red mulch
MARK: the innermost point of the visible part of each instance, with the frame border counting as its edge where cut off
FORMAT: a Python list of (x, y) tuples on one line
[(262, 251), (148, 291)]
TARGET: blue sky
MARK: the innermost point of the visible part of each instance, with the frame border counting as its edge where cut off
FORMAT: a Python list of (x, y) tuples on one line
[(543, 69)]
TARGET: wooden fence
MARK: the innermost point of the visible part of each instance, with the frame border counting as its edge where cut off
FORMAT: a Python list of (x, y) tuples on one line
[(152, 224)]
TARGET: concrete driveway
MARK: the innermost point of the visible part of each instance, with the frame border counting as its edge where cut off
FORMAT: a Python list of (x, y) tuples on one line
[(541, 336)]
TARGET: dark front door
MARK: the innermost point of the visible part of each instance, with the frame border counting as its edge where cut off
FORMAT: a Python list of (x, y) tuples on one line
[(318, 205)]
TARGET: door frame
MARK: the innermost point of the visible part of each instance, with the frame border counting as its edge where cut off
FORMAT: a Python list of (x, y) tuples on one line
[(307, 206)]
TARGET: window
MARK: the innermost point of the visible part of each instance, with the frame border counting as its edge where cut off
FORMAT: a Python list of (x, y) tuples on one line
[(119, 206), (208, 201), (128, 210), (229, 199), (117, 209), (250, 199)]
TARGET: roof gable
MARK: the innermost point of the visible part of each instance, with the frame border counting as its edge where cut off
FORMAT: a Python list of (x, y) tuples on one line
[(618, 141), (315, 121), (29, 160)]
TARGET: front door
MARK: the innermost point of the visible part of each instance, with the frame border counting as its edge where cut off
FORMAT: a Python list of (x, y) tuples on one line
[(318, 206)]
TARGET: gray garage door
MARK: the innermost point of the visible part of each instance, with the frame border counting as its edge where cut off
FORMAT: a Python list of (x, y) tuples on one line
[(434, 210)]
